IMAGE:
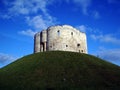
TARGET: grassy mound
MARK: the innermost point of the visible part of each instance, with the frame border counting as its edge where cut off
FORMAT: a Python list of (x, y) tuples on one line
[(60, 70)]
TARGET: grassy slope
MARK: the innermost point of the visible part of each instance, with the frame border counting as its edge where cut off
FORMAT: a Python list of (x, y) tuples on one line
[(60, 69)]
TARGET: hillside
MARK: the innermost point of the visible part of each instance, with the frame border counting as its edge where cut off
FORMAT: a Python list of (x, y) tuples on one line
[(58, 70)]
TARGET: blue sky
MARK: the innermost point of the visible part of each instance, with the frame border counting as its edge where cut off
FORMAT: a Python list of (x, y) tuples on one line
[(21, 19)]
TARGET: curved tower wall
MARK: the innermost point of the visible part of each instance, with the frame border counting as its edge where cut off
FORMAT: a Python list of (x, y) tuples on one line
[(66, 38), (44, 36), (37, 42), (44, 39)]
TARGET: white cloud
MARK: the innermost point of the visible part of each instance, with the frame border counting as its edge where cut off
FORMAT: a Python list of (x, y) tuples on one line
[(106, 38), (112, 55), (29, 9), (87, 29), (82, 28), (27, 6), (84, 5), (40, 22), (37, 22), (27, 32), (5, 59)]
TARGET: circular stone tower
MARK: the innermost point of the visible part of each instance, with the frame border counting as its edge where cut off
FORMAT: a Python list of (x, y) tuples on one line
[(37, 42), (63, 38)]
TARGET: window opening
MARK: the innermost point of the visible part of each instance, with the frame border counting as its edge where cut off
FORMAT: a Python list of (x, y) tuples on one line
[(82, 51), (66, 45), (71, 33), (58, 32), (78, 45)]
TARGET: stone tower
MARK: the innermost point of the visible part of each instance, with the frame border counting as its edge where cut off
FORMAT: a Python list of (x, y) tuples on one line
[(63, 38)]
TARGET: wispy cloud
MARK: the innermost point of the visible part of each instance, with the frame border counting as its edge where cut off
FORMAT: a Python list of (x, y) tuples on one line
[(82, 28), (30, 8), (40, 22), (87, 29), (29, 32), (109, 38), (84, 4), (27, 6), (111, 55), (6, 59), (96, 14), (35, 13), (85, 7)]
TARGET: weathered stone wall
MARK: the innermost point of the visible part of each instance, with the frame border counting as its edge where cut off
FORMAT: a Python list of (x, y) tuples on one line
[(65, 38), (44, 36), (37, 42)]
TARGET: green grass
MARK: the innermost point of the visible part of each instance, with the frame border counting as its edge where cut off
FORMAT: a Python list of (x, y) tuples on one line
[(60, 70)]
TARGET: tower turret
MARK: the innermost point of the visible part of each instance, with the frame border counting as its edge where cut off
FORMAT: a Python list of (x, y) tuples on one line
[(44, 39), (37, 42)]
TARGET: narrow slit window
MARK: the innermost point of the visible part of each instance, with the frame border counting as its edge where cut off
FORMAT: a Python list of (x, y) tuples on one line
[(78, 45), (72, 33), (58, 32), (82, 51)]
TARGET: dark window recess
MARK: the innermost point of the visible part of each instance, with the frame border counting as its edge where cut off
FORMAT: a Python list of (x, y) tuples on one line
[(81, 50), (58, 32), (66, 45), (71, 33), (50, 46), (78, 45)]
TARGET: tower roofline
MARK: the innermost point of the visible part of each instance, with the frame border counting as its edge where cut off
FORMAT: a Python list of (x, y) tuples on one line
[(66, 25)]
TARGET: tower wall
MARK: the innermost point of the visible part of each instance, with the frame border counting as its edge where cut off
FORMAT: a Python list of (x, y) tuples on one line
[(44, 39), (64, 38), (37, 42), (44, 36)]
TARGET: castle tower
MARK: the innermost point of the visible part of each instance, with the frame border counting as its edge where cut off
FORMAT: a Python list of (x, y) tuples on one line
[(44, 39), (37, 42), (63, 38)]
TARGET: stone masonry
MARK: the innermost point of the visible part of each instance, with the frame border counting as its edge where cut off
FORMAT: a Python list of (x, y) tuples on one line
[(62, 38)]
